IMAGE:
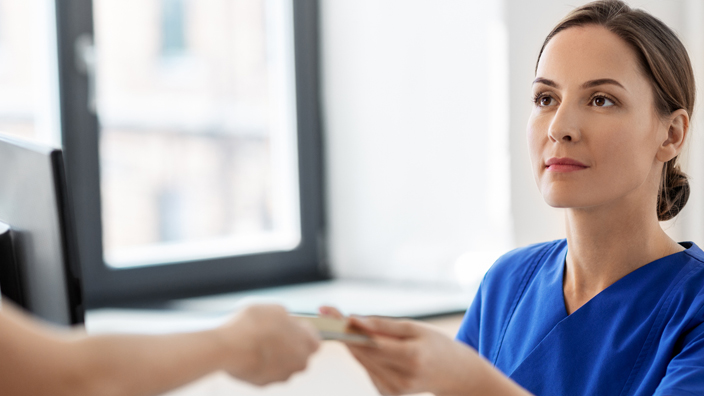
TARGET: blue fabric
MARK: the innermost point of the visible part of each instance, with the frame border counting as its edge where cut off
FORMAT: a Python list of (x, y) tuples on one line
[(643, 335)]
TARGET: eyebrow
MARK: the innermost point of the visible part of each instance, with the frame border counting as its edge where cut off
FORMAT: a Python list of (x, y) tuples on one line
[(588, 84)]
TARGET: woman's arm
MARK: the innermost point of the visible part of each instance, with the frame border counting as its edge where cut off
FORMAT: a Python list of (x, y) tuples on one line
[(411, 357), (261, 344)]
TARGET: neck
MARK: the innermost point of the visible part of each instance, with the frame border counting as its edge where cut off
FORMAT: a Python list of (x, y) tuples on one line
[(607, 243)]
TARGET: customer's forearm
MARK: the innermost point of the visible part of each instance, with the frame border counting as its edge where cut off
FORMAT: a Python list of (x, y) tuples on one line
[(260, 345), (142, 365), (36, 360)]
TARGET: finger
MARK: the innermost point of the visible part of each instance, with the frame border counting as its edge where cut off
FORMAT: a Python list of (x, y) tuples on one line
[(398, 354), (384, 378), (330, 312), (374, 366), (388, 327), (301, 326), (382, 346), (373, 363), (303, 335), (309, 329), (382, 384)]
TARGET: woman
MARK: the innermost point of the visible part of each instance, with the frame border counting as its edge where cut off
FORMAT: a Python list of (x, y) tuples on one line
[(618, 307), (261, 344)]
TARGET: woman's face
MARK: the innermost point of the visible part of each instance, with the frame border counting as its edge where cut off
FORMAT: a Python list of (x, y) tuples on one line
[(594, 132)]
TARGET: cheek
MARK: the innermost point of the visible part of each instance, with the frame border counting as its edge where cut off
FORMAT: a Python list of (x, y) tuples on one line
[(536, 134), (627, 148), (624, 158)]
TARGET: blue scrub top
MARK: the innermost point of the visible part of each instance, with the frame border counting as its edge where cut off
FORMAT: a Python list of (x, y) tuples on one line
[(643, 335)]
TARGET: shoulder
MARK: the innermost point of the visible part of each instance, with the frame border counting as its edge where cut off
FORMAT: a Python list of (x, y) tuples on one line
[(693, 252), (690, 264), (516, 263), (503, 284), (688, 286), (682, 303), (683, 330)]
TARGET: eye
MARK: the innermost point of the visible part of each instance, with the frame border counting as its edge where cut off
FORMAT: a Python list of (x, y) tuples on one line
[(544, 100), (601, 101)]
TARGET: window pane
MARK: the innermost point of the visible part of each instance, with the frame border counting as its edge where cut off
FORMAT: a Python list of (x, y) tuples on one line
[(198, 142), (28, 71)]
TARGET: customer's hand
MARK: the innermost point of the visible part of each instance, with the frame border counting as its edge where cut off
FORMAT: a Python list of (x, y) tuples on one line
[(266, 344), (411, 357)]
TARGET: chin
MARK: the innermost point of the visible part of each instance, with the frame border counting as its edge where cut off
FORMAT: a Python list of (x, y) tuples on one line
[(565, 198)]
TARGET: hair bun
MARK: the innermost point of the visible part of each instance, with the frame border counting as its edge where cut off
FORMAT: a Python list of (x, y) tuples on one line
[(674, 191)]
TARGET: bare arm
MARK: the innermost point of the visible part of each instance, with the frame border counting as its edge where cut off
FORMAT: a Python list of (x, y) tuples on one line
[(260, 345)]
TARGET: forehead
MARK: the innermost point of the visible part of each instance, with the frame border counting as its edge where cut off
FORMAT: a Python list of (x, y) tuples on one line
[(585, 53)]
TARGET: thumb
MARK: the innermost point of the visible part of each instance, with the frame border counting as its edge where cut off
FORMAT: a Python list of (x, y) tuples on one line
[(331, 312), (387, 327)]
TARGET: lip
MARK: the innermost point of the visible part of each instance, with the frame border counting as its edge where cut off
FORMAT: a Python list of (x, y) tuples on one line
[(564, 164)]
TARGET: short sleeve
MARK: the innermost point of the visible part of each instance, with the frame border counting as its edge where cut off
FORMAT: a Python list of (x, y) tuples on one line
[(685, 372), (486, 317), (469, 329)]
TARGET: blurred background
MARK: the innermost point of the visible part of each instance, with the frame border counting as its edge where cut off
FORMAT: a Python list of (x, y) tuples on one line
[(423, 107)]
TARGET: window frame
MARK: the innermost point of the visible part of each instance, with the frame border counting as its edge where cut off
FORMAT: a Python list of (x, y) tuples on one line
[(106, 286)]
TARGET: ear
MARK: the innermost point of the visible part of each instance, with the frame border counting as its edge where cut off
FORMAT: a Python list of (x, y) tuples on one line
[(677, 128)]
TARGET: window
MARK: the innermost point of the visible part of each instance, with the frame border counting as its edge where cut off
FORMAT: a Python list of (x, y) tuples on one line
[(28, 75), (203, 145), (173, 40), (197, 147)]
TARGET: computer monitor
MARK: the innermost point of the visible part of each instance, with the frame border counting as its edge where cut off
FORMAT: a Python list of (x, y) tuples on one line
[(39, 267)]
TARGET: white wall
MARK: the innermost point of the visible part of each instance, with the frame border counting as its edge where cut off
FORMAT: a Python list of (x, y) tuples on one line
[(416, 135), (422, 100), (689, 225)]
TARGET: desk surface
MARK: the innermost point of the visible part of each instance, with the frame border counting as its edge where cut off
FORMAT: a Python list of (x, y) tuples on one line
[(331, 371)]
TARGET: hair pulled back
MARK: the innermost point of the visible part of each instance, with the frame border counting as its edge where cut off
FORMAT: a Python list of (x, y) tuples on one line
[(664, 61)]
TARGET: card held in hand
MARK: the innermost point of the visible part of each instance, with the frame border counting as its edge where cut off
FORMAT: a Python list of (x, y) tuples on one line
[(337, 329)]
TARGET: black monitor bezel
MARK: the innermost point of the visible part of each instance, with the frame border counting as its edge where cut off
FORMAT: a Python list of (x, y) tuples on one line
[(17, 283), (69, 239)]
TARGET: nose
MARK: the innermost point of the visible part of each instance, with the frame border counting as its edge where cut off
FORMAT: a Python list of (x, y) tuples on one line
[(564, 126)]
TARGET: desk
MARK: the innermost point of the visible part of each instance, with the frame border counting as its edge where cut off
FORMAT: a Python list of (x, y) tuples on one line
[(332, 371)]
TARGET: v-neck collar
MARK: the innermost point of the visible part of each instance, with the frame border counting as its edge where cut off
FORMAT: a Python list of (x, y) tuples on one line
[(603, 347), (634, 273), (540, 310)]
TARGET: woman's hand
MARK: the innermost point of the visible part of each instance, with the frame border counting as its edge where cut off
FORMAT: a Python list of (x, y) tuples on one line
[(412, 357), (265, 344)]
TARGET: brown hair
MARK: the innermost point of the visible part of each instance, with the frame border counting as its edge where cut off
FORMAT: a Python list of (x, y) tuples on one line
[(664, 60)]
